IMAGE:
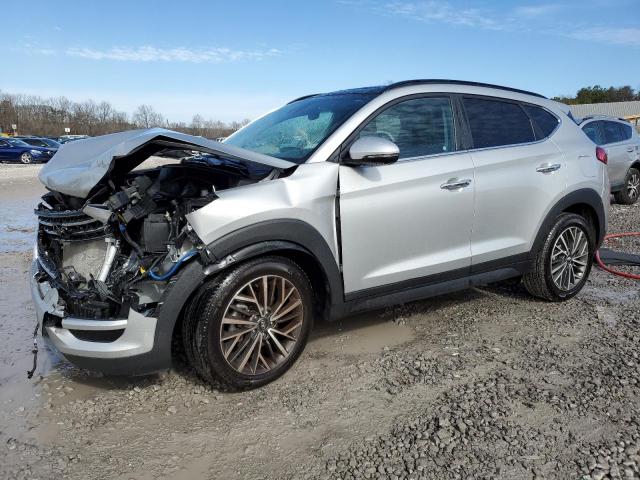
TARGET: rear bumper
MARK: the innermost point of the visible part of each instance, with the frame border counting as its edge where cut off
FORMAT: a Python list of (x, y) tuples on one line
[(134, 351)]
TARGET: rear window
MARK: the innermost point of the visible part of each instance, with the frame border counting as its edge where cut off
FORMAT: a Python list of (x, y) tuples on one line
[(544, 123), (613, 132), (495, 123)]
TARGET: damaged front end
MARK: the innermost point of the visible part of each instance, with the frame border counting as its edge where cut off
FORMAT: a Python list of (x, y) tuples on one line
[(111, 237)]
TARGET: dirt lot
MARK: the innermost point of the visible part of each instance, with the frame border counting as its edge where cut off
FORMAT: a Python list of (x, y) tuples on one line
[(488, 383)]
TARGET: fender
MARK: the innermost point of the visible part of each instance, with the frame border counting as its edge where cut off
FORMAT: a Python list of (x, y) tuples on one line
[(242, 244), (284, 234), (587, 196)]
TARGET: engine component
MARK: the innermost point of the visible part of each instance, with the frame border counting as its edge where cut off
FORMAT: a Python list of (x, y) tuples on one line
[(155, 233)]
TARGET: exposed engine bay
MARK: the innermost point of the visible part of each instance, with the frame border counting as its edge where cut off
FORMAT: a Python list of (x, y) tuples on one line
[(116, 249)]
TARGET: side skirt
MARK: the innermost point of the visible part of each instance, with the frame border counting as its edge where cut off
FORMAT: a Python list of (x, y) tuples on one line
[(418, 289)]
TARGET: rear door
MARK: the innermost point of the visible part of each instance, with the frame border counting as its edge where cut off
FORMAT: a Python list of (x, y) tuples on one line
[(403, 224), (519, 173), (616, 146)]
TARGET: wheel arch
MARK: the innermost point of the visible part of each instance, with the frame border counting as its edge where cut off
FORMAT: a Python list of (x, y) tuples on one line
[(585, 202), (292, 239)]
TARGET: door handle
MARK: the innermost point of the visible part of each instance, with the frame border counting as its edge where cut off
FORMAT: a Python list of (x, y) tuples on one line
[(548, 168), (455, 184), (630, 149)]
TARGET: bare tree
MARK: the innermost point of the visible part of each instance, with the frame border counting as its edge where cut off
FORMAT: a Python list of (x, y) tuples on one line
[(35, 115)]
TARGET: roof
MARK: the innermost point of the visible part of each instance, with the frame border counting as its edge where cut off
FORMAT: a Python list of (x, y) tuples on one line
[(610, 109), (377, 90)]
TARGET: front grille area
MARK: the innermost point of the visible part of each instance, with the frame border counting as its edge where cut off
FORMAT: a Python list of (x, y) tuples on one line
[(69, 225)]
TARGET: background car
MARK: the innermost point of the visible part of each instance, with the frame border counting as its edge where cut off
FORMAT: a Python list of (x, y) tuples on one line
[(71, 138), (622, 144), (15, 150), (40, 142)]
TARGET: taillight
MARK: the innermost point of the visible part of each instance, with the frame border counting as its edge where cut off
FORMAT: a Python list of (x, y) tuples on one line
[(601, 154)]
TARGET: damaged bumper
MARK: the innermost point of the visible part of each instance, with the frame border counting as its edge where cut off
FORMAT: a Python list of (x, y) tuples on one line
[(96, 344)]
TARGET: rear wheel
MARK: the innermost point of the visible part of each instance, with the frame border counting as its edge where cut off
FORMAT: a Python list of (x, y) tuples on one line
[(631, 190), (564, 260), (26, 158), (252, 325)]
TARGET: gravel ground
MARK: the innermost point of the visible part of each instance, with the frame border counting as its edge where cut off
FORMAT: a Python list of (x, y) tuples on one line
[(488, 383)]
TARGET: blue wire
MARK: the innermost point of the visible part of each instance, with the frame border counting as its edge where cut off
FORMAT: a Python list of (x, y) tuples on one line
[(176, 266)]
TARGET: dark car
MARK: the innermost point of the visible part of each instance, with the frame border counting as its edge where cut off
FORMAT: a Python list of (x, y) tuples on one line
[(16, 150), (40, 142)]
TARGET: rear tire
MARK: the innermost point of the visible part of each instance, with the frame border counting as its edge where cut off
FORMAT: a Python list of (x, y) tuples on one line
[(248, 326), (563, 262), (631, 189)]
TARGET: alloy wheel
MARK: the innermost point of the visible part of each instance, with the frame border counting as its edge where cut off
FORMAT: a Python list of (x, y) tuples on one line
[(633, 186), (261, 325), (569, 258), (25, 158)]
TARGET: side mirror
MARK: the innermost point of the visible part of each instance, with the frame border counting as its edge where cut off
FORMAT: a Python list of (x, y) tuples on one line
[(372, 151)]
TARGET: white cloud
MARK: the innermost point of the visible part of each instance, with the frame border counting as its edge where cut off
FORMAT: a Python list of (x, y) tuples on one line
[(538, 18), (629, 37), (444, 12), (149, 53)]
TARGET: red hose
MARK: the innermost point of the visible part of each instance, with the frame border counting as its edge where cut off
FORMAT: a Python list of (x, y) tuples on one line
[(612, 270)]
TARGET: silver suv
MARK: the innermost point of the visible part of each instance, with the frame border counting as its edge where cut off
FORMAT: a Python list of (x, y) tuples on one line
[(333, 204), (621, 143)]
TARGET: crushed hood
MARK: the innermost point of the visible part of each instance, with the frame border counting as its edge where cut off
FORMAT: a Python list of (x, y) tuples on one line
[(80, 165)]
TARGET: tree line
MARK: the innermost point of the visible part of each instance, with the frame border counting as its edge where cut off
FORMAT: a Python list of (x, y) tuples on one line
[(598, 94), (35, 115)]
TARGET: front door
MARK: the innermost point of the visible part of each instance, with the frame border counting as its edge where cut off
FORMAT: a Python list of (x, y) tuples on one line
[(409, 222)]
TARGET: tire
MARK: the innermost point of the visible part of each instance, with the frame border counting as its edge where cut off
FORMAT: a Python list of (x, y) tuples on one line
[(631, 189), (222, 309), (542, 281), (26, 158)]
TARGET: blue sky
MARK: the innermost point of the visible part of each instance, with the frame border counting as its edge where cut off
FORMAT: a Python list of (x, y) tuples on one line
[(234, 59)]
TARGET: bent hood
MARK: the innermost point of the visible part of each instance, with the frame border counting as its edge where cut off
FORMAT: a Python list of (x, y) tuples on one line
[(79, 166)]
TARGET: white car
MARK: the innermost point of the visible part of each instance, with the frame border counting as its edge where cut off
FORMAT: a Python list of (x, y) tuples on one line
[(333, 204), (622, 144)]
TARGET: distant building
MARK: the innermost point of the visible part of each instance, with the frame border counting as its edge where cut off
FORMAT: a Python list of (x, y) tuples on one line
[(627, 110)]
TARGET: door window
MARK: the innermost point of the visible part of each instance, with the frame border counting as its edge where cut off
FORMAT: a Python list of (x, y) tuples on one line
[(626, 131), (612, 132), (419, 127), (495, 123)]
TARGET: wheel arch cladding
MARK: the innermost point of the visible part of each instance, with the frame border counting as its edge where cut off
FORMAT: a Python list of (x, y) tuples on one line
[(293, 239), (585, 202)]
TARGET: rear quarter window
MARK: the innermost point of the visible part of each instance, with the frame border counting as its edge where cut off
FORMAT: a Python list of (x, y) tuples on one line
[(592, 130), (544, 123), (495, 123)]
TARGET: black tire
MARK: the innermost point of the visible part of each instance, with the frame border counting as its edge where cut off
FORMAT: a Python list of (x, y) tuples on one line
[(202, 324), (539, 281), (631, 189), (26, 158)]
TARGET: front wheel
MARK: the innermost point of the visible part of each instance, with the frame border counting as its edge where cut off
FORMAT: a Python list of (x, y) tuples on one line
[(26, 158), (251, 325), (631, 189), (563, 262)]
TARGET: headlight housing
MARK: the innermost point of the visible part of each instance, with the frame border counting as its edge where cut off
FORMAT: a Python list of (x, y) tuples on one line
[(36, 152)]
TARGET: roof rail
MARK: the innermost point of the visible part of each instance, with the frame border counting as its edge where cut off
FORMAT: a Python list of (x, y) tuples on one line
[(406, 83)]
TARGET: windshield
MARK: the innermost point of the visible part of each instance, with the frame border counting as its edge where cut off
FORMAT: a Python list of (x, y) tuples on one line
[(294, 131), (17, 143), (51, 143)]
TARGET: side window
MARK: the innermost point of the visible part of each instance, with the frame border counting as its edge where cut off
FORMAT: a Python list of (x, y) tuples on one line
[(592, 130), (494, 123), (544, 123), (421, 126), (626, 131), (612, 132)]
